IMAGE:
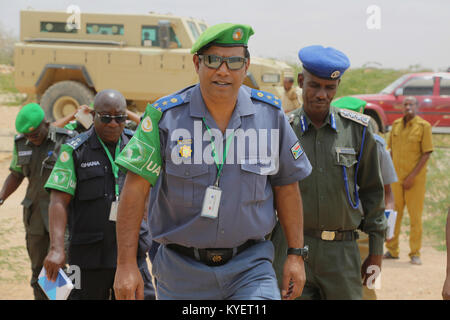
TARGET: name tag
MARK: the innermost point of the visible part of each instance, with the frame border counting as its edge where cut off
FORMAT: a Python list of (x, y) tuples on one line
[(25, 153), (113, 212), (211, 202)]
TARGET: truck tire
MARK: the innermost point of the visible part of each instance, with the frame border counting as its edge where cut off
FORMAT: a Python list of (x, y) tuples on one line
[(63, 98), (376, 121)]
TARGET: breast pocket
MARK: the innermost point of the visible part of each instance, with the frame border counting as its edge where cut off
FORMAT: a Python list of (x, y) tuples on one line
[(91, 183), (186, 183), (253, 182), (347, 158)]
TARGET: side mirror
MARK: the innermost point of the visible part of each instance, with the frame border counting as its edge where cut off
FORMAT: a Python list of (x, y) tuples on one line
[(164, 33), (398, 92)]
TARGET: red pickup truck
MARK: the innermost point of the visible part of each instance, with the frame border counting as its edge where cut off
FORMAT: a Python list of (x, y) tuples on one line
[(432, 90)]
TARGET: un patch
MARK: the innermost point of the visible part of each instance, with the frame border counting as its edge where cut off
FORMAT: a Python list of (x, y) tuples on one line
[(297, 150)]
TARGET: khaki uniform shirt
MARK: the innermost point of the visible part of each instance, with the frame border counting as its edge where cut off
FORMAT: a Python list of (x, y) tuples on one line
[(408, 143), (335, 145), (291, 100)]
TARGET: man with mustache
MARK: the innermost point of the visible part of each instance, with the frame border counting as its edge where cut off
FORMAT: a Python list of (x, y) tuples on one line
[(213, 205), (411, 145), (36, 150), (344, 191)]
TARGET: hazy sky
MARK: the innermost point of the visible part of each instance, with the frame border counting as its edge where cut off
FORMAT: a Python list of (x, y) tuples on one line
[(411, 31)]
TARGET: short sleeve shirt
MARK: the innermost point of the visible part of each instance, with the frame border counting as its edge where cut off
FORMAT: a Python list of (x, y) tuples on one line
[(264, 152), (387, 167)]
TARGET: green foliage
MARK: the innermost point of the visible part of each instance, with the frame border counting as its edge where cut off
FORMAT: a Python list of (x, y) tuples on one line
[(7, 83), (7, 40)]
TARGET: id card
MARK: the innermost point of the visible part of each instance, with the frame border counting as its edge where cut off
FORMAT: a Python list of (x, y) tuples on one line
[(211, 202), (113, 212)]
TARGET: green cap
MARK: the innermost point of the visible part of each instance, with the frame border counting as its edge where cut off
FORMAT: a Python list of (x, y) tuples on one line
[(225, 35), (29, 118), (350, 103)]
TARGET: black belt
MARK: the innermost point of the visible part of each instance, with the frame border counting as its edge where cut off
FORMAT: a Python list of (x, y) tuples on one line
[(332, 235), (213, 256)]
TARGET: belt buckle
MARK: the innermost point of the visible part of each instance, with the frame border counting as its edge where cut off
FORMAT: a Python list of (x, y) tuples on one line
[(328, 235), (217, 257)]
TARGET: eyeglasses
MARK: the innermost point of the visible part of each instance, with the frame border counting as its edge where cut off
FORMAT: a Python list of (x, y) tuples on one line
[(214, 62), (106, 118)]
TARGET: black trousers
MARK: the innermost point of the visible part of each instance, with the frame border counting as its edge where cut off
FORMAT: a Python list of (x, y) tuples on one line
[(95, 284)]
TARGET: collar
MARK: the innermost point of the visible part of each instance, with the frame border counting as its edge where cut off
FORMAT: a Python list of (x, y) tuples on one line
[(244, 106), (410, 122), (306, 123), (95, 143)]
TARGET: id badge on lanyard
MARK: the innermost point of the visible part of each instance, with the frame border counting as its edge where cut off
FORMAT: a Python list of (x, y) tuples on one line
[(115, 170), (211, 200)]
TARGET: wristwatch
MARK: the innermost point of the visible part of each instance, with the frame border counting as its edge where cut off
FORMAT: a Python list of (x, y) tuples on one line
[(1, 201), (303, 252)]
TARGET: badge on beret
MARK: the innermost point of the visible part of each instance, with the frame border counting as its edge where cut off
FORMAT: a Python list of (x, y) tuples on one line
[(237, 34), (335, 74)]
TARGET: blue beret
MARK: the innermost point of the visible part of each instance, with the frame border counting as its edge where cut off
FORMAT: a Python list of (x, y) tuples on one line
[(326, 63)]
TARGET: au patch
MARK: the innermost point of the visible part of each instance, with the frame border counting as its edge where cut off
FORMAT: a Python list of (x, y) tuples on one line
[(297, 150)]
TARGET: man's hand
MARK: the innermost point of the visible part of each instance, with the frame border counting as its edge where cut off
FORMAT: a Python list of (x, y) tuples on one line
[(408, 183), (371, 260), (294, 277), (54, 260), (128, 283), (446, 289)]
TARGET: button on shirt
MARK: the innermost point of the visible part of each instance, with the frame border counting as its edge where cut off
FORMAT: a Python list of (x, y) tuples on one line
[(408, 143), (325, 202), (250, 171)]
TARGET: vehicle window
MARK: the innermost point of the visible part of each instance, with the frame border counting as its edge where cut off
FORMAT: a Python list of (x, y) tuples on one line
[(203, 26), (418, 87), (62, 27), (393, 85), (194, 29), (445, 87), (108, 29), (149, 37)]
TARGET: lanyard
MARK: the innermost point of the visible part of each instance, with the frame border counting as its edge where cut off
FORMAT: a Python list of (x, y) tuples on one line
[(115, 167), (216, 158)]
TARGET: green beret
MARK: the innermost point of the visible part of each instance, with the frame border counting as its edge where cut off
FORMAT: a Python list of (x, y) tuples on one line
[(29, 118), (350, 103), (224, 35)]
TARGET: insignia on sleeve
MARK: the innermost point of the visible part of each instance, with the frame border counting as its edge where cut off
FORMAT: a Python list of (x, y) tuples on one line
[(296, 150), (355, 116), (266, 97)]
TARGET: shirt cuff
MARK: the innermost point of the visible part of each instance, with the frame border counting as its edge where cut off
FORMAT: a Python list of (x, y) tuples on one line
[(376, 243)]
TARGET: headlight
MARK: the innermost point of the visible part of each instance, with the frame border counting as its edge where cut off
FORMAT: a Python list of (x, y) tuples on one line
[(271, 77)]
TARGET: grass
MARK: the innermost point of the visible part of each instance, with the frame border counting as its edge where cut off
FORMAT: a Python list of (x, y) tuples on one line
[(7, 83)]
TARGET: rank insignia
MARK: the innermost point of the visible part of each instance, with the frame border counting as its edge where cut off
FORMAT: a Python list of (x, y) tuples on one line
[(185, 151)]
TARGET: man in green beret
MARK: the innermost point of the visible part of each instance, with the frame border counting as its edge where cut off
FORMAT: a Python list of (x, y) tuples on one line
[(35, 152), (214, 195)]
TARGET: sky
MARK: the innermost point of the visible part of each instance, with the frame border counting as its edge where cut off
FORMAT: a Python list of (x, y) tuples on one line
[(391, 33)]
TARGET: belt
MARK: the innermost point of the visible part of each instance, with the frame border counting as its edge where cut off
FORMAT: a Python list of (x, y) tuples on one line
[(332, 235), (213, 256)]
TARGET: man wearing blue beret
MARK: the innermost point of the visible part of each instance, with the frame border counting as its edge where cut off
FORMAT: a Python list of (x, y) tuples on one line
[(344, 191), (217, 188)]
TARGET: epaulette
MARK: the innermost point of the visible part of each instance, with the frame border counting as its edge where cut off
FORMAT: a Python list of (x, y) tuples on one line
[(128, 132), (19, 136), (379, 139), (355, 116), (169, 102), (266, 97), (66, 132), (74, 143)]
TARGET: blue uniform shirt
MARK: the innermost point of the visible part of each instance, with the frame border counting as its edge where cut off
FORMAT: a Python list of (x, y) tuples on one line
[(268, 158)]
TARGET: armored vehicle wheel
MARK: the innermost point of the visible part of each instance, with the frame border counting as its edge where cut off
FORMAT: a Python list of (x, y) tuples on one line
[(63, 98)]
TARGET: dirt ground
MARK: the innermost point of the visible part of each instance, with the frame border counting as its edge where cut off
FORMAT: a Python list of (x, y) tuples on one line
[(400, 280)]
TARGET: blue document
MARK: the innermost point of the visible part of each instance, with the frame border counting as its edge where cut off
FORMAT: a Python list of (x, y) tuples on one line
[(58, 290)]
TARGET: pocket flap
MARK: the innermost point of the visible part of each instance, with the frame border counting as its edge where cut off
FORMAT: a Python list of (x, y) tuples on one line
[(346, 156), (186, 170)]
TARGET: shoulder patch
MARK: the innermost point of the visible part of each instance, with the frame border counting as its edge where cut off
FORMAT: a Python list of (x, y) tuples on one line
[(266, 97), (128, 132), (355, 116), (167, 103), (76, 142)]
